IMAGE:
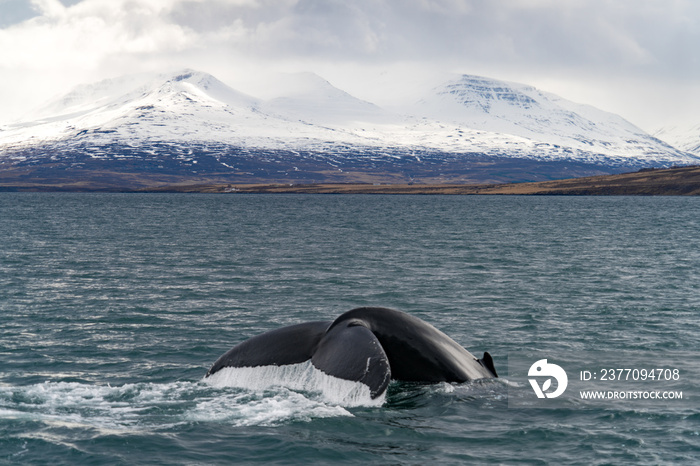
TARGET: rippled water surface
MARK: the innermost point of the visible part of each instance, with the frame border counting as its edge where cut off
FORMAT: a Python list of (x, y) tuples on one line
[(113, 307)]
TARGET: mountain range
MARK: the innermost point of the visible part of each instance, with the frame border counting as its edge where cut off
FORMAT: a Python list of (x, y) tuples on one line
[(139, 131)]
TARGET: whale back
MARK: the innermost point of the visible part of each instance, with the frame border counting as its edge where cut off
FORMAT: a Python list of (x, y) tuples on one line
[(417, 351)]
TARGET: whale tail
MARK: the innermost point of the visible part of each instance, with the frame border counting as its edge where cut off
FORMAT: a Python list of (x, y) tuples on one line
[(350, 351), (367, 345), (487, 362), (287, 345)]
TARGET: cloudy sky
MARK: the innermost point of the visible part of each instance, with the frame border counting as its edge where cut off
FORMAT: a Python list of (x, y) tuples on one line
[(638, 58)]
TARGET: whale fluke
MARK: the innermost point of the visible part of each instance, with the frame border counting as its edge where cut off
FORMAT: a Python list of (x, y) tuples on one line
[(370, 345)]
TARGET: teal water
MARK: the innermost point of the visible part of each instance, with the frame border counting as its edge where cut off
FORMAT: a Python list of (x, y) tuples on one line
[(113, 307)]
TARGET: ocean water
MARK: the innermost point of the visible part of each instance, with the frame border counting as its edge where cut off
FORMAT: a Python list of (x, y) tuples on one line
[(113, 307)]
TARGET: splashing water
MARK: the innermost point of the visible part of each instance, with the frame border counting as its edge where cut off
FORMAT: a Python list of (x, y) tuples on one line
[(150, 406), (299, 377)]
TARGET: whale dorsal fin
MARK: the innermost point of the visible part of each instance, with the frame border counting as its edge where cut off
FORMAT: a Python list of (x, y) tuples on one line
[(487, 362)]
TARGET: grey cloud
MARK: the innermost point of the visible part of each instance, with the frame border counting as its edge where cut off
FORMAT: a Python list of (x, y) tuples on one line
[(642, 34), (574, 40)]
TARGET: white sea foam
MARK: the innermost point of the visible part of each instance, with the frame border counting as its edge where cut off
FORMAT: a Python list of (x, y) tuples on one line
[(300, 377), (147, 406), (262, 409)]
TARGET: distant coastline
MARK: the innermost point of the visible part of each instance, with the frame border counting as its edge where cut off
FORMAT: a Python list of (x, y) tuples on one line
[(678, 181), (647, 182)]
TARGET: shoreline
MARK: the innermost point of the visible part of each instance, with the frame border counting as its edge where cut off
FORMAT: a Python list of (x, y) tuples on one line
[(650, 182), (677, 181)]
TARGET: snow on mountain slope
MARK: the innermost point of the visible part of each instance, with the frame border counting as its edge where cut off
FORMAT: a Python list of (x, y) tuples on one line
[(308, 97), (195, 107), (544, 119), (169, 107), (684, 137), (469, 115)]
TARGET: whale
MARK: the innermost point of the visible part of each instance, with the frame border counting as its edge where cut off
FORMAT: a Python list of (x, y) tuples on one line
[(370, 345)]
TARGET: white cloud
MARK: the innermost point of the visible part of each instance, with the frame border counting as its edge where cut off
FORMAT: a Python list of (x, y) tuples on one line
[(88, 34), (528, 40), (49, 8)]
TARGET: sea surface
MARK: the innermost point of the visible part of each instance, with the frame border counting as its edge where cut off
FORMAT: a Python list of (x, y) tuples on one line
[(113, 307)]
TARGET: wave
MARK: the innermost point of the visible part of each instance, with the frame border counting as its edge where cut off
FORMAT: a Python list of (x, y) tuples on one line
[(153, 406)]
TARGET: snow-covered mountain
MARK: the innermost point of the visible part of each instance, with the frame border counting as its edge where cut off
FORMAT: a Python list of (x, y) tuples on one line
[(551, 127), (191, 107), (684, 137), (310, 98), (190, 122), (184, 107)]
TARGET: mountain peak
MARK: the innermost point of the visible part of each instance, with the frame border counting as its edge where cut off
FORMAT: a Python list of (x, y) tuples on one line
[(309, 97), (483, 93), (201, 86), (198, 78)]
